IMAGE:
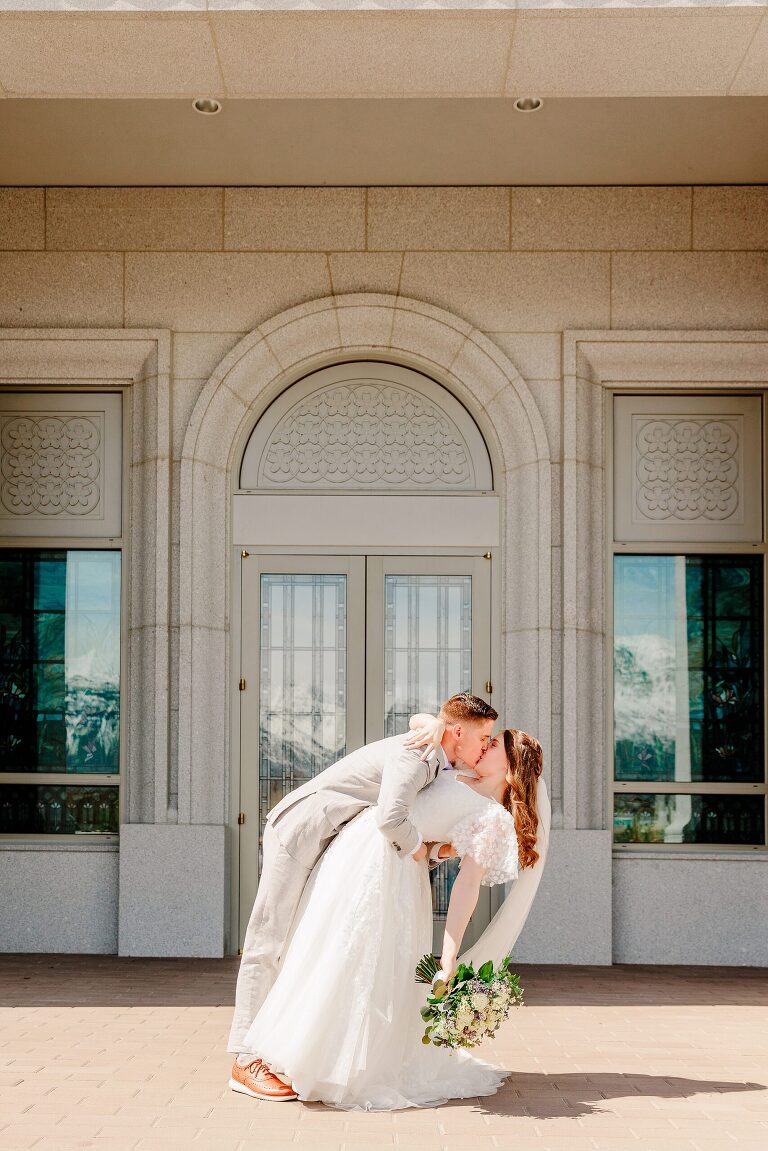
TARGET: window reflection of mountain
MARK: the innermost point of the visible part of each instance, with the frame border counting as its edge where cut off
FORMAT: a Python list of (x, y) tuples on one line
[(290, 758), (83, 733), (397, 718), (93, 726), (723, 717), (644, 708)]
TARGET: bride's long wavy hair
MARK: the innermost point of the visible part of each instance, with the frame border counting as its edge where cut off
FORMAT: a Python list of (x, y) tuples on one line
[(525, 760)]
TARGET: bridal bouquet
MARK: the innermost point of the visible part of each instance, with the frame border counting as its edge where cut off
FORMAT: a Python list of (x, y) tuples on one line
[(470, 1006)]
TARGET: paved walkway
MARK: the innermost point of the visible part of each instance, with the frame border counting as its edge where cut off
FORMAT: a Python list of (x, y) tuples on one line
[(129, 1055)]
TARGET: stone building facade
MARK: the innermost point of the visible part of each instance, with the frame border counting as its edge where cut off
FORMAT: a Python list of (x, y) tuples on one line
[(591, 360)]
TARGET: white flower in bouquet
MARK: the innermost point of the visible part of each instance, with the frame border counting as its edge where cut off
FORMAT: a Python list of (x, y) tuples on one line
[(470, 1006)]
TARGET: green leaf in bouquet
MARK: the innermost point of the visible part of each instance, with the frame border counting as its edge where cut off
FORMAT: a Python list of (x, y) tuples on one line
[(428, 1013), (486, 972), (439, 988), (426, 1037), (463, 972)]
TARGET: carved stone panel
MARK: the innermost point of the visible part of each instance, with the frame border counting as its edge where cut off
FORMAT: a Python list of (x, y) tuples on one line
[(688, 468), (367, 426), (60, 464)]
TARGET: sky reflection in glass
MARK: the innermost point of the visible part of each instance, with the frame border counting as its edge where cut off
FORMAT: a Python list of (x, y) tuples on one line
[(60, 661), (688, 668)]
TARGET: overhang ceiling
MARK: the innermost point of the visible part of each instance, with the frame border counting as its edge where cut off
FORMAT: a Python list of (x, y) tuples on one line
[(483, 141), (636, 94)]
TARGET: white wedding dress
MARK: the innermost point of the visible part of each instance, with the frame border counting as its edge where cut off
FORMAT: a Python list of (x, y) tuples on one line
[(341, 1022)]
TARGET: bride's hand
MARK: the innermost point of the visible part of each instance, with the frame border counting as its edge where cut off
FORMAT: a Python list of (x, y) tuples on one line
[(426, 732), (447, 969)]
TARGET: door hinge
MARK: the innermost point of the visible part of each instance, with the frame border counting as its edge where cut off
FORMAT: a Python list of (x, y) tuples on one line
[(241, 818), (244, 554), (241, 685), (488, 687), (239, 951)]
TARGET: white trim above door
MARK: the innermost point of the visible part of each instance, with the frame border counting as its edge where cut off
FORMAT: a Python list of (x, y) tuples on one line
[(366, 520)]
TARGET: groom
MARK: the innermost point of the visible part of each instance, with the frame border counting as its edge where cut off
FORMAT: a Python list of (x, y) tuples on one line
[(302, 825)]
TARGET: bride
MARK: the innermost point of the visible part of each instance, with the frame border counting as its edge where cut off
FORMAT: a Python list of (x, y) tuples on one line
[(341, 1022)]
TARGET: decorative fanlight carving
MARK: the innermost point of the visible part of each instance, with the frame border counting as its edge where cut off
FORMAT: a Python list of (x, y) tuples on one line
[(383, 428)]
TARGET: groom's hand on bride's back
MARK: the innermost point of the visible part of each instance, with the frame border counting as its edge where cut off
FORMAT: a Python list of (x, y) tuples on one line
[(435, 852), (438, 853)]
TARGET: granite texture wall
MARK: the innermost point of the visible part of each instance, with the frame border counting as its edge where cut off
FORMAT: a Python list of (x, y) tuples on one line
[(59, 901)]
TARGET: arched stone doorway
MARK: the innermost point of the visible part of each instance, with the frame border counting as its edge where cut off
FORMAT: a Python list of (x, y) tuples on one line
[(366, 524), (217, 515)]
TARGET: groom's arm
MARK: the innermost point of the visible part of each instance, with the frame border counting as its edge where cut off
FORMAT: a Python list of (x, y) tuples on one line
[(402, 779)]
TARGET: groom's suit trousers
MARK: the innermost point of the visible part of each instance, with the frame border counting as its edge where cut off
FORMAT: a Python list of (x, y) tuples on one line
[(281, 883)]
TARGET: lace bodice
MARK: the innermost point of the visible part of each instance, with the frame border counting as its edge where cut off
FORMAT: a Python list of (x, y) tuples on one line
[(450, 811)]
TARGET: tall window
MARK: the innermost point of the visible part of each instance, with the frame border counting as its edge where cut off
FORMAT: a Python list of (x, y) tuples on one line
[(59, 691), (689, 622), (688, 699)]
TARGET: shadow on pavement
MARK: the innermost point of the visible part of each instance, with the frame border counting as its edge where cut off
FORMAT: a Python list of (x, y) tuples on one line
[(540, 1096)]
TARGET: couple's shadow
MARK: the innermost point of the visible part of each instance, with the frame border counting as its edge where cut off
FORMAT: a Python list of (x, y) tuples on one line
[(539, 1096), (570, 1096)]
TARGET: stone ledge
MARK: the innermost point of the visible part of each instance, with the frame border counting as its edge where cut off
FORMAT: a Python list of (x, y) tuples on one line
[(48, 845)]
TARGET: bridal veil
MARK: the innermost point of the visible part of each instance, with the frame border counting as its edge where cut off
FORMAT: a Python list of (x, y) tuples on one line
[(502, 932)]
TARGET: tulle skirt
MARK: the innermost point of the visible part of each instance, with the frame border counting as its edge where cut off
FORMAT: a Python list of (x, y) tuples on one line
[(342, 1021)]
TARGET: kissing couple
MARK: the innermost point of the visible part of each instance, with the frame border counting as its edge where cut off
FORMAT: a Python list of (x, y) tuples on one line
[(327, 1007)]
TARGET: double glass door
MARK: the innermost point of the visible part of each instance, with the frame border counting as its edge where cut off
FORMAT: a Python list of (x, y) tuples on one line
[(338, 651)]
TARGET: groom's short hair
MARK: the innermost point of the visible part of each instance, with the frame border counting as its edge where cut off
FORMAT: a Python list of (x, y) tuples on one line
[(466, 708)]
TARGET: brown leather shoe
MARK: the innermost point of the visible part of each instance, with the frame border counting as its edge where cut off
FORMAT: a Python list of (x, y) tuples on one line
[(258, 1081)]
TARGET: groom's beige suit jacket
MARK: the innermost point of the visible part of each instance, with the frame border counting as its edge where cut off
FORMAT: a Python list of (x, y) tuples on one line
[(384, 773)]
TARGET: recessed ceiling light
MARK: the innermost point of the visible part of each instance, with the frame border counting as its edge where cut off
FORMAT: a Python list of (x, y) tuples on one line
[(528, 104), (207, 106)]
